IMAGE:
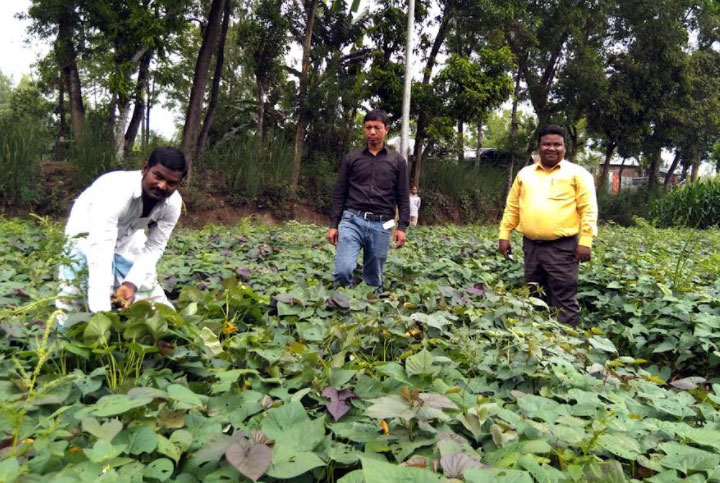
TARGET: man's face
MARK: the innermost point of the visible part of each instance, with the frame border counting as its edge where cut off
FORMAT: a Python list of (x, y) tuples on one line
[(414, 190), (551, 149), (375, 132), (159, 182)]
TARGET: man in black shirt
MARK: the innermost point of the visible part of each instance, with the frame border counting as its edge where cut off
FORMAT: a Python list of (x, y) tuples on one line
[(371, 183)]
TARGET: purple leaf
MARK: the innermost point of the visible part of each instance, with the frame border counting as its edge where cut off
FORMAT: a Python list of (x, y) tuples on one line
[(688, 383), (346, 394), (170, 283), (244, 272), (252, 460), (454, 465), (21, 293), (478, 290), (337, 406), (452, 437), (338, 300)]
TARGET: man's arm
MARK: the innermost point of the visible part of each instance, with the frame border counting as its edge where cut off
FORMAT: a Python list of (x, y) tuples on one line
[(101, 250), (158, 236), (587, 208), (402, 194), (340, 191), (511, 215)]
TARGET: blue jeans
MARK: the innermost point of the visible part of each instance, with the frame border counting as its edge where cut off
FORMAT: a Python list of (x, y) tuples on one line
[(356, 233)]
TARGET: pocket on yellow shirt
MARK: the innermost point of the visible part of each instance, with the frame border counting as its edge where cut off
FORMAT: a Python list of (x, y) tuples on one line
[(562, 189)]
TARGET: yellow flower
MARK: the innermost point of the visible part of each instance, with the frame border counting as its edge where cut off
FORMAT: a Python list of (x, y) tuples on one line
[(229, 328)]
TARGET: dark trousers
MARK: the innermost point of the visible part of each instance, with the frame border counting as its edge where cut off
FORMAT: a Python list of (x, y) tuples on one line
[(553, 265)]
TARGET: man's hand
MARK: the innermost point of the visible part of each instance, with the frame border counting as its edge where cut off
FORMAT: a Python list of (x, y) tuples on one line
[(332, 236), (504, 248), (399, 238), (124, 295), (583, 253)]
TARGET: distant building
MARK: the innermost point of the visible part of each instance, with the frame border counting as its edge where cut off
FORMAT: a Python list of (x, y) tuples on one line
[(631, 175)]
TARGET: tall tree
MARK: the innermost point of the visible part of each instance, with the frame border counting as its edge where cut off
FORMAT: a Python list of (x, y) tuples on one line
[(263, 36), (215, 89), (61, 19), (191, 129), (473, 88), (423, 98), (303, 114)]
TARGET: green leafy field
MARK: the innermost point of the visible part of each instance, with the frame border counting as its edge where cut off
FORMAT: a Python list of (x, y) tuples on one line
[(454, 372)]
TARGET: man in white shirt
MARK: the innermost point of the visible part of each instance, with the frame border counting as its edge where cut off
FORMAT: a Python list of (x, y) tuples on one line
[(118, 229), (414, 205)]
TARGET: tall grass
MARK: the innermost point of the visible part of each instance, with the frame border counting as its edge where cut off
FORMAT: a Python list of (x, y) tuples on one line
[(21, 145), (252, 169), (92, 153), (477, 193), (695, 205), (451, 178)]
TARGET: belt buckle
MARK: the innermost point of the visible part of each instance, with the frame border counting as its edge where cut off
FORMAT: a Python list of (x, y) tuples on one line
[(365, 214)]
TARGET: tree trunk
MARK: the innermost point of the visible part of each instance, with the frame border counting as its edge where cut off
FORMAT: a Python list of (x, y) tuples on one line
[(461, 142), (67, 60), (191, 128), (513, 132), (140, 100), (260, 123), (423, 115), (671, 171), (572, 133), (620, 172), (215, 89), (655, 157), (695, 162), (60, 143), (123, 107), (609, 150), (150, 101), (478, 148), (417, 158), (302, 107)]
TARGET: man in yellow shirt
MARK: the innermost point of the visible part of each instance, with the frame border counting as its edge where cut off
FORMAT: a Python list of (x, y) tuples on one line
[(552, 203)]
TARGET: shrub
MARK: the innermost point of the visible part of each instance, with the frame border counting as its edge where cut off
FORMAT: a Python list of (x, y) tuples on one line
[(696, 205), (624, 207)]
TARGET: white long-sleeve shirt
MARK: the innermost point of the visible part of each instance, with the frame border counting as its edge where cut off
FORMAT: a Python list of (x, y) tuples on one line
[(106, 219), (414, 205)]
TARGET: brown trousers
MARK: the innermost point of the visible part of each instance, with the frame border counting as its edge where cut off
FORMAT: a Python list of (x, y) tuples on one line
[(553, 265)]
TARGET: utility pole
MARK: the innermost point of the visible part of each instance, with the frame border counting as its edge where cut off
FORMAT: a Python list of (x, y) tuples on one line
[(405, 132)]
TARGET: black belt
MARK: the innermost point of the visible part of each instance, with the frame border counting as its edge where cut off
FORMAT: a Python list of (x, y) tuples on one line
[(548, 242), (370, 216)]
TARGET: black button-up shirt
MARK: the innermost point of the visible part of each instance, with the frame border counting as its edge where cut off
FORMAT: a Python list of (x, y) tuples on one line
[(375, 184)]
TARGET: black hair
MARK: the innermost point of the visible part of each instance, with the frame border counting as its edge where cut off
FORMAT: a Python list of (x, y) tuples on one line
[(376, 115), (171, 158), (551, 129)]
